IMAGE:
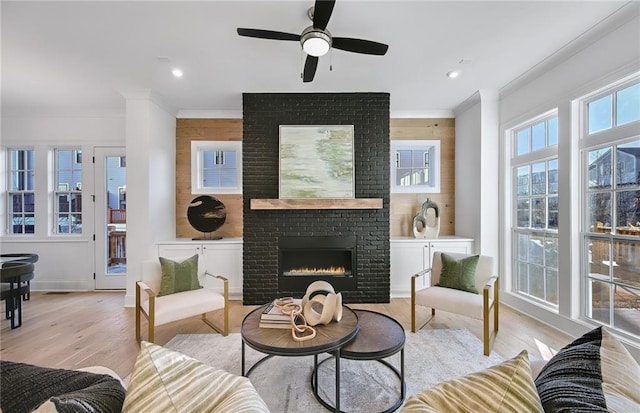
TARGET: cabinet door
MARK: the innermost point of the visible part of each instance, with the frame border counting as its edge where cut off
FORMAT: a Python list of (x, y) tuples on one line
[(461, 247), (406, 259), (179, 251), (225, 260)]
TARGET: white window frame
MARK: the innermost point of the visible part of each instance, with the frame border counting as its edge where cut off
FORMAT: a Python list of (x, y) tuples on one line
[(10, 193), (63, 189), (197, 149), (434, 166), (610, 137), (549, 152)]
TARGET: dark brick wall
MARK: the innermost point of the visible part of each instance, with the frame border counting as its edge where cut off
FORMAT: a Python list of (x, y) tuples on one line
[(263, 113)]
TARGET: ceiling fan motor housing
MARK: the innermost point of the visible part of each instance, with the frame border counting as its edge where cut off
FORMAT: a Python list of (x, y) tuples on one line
[(318, 42)]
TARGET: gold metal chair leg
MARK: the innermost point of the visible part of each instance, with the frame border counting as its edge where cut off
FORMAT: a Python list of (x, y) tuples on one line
[(138, 335), (224, 331)]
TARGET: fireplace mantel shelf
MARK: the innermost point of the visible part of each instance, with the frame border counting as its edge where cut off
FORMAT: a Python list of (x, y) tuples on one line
[(317, 203)]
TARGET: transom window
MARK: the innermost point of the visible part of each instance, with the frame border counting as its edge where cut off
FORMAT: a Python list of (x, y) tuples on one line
[(21, 194), (617, 107), (216, 167), (68, 191)]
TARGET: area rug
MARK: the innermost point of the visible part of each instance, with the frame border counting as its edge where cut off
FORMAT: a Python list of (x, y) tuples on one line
[(431, 356)]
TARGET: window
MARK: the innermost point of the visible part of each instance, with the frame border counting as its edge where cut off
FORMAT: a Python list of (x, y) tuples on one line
[(611, 205), (616, 108), (216, 167), (415, 166), (68, 194), (21, 194), (535, 202)]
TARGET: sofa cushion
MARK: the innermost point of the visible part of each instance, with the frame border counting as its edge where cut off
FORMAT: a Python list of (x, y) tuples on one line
[(593, 373), (167, 381), (179, 276), (506, 387), (25, 387), (459, 274)]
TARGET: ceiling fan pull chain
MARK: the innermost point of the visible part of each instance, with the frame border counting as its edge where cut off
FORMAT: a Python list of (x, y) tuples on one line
[(331, 60)]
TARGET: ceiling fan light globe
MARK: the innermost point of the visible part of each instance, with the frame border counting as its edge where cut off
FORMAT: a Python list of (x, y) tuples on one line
[(315, 46)]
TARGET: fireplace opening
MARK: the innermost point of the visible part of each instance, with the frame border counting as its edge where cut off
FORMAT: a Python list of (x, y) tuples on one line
[(302, 260)]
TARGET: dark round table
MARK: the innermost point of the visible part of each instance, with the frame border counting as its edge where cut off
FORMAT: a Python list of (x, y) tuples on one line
[(330, 338), (379, 337)]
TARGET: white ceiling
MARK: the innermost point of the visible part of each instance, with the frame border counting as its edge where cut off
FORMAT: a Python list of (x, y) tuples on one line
[(62, 57)]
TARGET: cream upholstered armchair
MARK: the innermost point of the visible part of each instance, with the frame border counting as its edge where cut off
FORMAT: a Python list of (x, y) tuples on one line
[(159, 310), (424, 292)]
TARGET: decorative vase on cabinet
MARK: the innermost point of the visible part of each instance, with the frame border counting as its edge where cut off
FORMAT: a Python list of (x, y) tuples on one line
[(426, 225)]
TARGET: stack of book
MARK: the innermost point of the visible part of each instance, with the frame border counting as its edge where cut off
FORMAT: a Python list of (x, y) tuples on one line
[(273, 317)]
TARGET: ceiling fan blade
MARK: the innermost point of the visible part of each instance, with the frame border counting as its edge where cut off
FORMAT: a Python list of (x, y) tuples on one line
[(310, 66), (268, 34), (322, 12), (359, 46)]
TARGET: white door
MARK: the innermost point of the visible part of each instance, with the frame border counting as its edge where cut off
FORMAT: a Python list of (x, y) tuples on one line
[(111, 218)]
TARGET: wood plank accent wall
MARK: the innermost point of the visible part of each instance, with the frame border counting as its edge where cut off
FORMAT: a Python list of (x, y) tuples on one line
[(188, 130), (403, 207)]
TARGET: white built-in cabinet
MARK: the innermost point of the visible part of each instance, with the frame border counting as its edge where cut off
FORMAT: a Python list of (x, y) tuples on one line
[(410, 256), (219, 257)]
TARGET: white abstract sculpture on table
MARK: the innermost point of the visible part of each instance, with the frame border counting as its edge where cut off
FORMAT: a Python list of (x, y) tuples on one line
[(430, 226)]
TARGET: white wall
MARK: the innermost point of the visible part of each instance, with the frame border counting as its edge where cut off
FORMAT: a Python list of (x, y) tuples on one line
[(468, 185), (151, 137), (65, 263), (477, 174), (613, 56)]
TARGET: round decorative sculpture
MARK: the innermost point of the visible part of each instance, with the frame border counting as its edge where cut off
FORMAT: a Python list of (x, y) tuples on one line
[(206, 214), (321, 304), (422, 228)]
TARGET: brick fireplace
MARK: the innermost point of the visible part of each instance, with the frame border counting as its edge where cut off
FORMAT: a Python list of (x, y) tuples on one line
[(360, 236)]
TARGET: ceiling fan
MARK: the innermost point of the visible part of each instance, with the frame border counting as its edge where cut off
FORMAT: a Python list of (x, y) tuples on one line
[(316, 39)]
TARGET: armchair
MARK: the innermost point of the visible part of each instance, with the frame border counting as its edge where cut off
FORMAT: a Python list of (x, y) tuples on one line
[(424, 292), (168, 308)]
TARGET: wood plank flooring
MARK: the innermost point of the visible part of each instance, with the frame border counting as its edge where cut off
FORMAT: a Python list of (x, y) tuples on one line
[(80, 329)]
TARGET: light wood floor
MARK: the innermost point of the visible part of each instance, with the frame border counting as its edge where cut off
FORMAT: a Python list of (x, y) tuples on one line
[(72, 330)]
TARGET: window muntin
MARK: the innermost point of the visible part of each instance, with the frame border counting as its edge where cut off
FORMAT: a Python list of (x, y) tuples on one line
[(216, 167), (21, 194), (67, 193), (535, 200), (415, 166)]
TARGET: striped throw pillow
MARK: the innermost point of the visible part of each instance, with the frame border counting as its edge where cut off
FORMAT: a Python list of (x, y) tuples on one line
[(506, 387), (167, 381), (593, 373)]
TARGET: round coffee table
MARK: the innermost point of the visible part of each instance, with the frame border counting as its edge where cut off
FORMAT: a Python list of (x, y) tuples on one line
[(330, 338), (379, 336)]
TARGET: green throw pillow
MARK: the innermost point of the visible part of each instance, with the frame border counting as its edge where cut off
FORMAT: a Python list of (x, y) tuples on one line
[(459, 274), (179, 276)]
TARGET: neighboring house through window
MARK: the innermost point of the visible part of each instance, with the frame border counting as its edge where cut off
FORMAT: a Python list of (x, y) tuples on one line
[(68, 191), (216, 167)]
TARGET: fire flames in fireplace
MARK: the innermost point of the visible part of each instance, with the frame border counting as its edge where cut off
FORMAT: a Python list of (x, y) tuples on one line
[(317, 271)]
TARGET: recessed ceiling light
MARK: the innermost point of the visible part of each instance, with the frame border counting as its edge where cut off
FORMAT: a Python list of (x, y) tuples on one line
[(453, 74), (177, 72)]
